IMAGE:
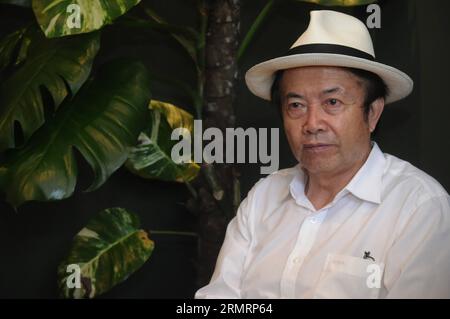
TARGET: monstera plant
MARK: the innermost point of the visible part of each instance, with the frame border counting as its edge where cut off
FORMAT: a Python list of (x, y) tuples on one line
[(53, 103)]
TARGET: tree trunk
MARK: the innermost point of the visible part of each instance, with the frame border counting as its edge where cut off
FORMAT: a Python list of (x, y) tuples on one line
[(218, 186)]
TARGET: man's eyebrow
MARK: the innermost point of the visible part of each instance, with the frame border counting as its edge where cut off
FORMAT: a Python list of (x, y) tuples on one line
[(336, 89), (294, 95), (332, 90)]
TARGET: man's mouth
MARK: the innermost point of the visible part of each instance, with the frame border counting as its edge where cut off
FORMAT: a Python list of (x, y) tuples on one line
[(317, 147)]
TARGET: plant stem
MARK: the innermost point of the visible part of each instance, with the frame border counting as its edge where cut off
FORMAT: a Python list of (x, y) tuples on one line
[(172, 232), (191, 190), (211, 177), (254, 28), (236, 191), (201, 58)]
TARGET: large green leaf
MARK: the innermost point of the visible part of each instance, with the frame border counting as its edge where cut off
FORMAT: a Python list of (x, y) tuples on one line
[(61, 66), (107, 251), (152, 157), (66, 17), (342, 3), (102, 122)]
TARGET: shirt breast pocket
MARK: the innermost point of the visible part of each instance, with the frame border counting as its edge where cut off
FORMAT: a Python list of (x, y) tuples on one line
[(346, 276)]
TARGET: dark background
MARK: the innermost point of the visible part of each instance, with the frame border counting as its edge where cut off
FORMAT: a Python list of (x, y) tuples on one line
[(413, 37)]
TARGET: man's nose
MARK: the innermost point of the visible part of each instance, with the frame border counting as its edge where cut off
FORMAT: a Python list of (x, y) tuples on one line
[(314, 120)]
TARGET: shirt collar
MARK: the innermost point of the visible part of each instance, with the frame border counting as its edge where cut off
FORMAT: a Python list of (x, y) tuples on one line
[(366, 184), (297, 188)]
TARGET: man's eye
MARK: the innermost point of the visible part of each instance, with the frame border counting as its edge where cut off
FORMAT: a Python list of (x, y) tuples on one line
[(295, 109), (295, 105), (333, 102)]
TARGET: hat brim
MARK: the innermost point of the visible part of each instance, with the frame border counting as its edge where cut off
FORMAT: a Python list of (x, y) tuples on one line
[(260, 78)]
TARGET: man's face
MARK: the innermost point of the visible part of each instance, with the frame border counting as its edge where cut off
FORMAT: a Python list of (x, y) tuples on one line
[(324, 120)]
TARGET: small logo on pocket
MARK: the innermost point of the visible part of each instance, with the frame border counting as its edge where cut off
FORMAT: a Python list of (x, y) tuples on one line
[(367, 256)]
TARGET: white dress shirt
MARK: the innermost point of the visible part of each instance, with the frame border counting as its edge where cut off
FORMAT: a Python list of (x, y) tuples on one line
[(385, 235)]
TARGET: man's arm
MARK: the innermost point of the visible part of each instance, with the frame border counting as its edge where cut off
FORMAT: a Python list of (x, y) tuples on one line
[(226, 280), (418, 264)]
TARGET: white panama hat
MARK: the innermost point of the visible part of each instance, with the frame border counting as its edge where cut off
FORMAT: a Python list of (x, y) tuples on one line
[(331, 39)]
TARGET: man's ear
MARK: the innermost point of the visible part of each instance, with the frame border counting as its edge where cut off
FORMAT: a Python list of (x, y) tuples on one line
[(376, 108)]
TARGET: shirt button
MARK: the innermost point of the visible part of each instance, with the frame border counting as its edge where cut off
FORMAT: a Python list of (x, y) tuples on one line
[(296, 260), (313, 220)]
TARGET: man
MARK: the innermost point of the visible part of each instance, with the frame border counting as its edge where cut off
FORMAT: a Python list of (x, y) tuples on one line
[(348, 221)]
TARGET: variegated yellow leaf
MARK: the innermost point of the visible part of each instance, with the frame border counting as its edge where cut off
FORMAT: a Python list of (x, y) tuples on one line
[(152, 157), (104, 253), (66, 17)]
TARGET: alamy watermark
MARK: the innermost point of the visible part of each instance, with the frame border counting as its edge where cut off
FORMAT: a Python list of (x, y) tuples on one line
[(232, 150), (74, 279), (374, 279), (214, 151), (74, 19), (374, 19)]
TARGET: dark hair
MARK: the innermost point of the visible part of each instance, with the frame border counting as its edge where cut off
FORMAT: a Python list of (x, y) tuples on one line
[(374, 85)]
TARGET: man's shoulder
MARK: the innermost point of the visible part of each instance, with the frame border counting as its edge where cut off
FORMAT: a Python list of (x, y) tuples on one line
[(402, 174), (276, 184), (283, 176)]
